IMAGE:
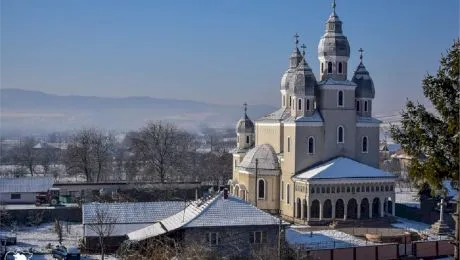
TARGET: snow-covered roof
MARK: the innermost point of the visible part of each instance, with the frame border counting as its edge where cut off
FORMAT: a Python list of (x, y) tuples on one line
[(278, 115), (133, 212), (25, 184), (372, 120), (342, 168), (215, 212), (331, 81), (266, 157), (316, 117)]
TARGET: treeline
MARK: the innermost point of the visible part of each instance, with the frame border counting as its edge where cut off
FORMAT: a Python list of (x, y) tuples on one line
[(159, 152)]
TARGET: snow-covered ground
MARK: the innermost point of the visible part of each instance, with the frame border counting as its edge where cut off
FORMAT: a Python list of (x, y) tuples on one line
[(38, 237), (323, 239), (419, 227), (406, 197)]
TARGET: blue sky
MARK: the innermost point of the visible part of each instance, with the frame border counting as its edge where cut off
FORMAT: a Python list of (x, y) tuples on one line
[(219, 51)]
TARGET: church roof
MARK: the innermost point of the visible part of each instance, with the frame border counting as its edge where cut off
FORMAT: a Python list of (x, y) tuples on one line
[(267, 160), (316, 117), (331, 81), (277, 116), (361, 119), (342, 168)]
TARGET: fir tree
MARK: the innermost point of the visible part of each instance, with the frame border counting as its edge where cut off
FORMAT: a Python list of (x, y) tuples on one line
[(432, 138)]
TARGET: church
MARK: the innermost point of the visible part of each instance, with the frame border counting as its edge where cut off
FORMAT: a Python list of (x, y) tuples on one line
[(316, 158)]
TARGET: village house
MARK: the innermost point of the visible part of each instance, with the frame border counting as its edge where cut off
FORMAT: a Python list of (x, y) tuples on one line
[(23, 190)]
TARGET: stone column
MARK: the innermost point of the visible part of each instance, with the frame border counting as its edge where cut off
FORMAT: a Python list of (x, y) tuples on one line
[(393, 203), (302, 213), (345, 211), (358, 216), (308, 211), (382, 209), (333, 209), (320, 210), (370, 209)]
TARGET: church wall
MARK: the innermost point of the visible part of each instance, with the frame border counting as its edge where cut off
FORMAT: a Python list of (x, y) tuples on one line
[(303, 158), (237, 158), (269, 134), (333, 119), (370, 158), (328, 96), (287, 170), (272, 191)]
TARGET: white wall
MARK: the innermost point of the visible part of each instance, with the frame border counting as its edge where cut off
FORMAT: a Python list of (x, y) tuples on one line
[(26, 198)]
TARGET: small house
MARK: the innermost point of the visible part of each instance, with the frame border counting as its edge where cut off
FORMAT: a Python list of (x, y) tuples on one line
[(23, 190)]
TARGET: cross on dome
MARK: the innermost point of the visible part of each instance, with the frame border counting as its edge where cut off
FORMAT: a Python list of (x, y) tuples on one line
[(304, 47), (361, 54), (245, 107), (333, 6), (296, 36)]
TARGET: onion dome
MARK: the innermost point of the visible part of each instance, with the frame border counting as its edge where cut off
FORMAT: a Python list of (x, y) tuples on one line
[(267, 160), (333, 42), (364, 82), (245, 125), (303, 82), (294, 61)]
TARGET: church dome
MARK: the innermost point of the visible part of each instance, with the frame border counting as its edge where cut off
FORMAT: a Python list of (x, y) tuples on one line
[(333, 42), (266, 157), (285, 79), (245, 125), (303, 82), (365, 85)]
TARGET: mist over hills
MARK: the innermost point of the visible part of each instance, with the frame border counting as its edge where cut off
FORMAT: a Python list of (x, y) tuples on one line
[(24, 111)]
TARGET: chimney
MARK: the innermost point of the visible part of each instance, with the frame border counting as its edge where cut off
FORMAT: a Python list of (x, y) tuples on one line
[(225, 193)]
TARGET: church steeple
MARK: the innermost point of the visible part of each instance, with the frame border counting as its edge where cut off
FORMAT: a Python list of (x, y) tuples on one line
[(333, 49), (296, 57)]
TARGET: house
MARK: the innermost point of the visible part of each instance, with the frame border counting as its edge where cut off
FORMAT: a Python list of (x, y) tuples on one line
[(226, 224), (315, 159), (23, 190), (119, 219)]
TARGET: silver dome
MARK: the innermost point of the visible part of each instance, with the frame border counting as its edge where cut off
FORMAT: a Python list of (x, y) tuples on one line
[(267, 160), (364, 82), (245, 125), (303, 82), (333, 42)]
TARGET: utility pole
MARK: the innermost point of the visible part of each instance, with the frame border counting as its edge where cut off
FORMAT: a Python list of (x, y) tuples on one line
[(279, 237), (257, 168)]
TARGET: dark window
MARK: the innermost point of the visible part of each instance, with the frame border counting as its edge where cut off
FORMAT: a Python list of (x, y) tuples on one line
[(15, 196), (365, 106), (290, 102), (247, 139), (338, 189), (377, 188), (322, 67), (282, 190), (308, 105), (311, 145), (391, 188), (357, 189), (288, 194), (329, 67), (357, 105), (340, 67), (333, 189), (372, 188), (323, 190), (328, 190), (365, 144), (258, 237), (289, 144), (340, 98), (300, 104), (343, 189), (340, 134), (386, 188), (261, 189), (353, 189), (312, 190), (317, 190), (348, 189), (367, 188), (213, 238)]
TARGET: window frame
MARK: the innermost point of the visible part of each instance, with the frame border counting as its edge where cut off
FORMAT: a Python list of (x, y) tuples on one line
[(299, 104), (329, 67), (288, 191), (366, 106), (343, 134), (340, 69), (209, 238), (15, 196), (358, 108), (340, 99), (288, 144), (307, 104), (366, 145), (258, 237), (313, 145), (264, 190), (248, 139)]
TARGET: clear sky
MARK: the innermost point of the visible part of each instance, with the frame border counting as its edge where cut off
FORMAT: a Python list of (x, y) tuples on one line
[(220, 51)]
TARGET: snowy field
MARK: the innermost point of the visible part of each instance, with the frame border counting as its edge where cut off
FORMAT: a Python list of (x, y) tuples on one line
[(419, 227), (39, 237), (323, 239)]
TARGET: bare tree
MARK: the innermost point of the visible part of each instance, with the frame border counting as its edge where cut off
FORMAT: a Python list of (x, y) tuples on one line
[(89, 152), (58, 230), (160, 147), (102, 225), (26, 155)]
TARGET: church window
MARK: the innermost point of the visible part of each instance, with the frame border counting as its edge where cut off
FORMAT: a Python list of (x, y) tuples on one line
[(386, 188), (284, 101), (323, 190), (288, 193), (372, 188), (343, 189), (308, 105), (282, 190), (311, 145), (333, 189), (348, 189), (338, 189), (367, 188), (340, 98), (340, 134), (261, 189), (300, 104), (247, 139), (357, 105), (290, 102), (358, 189), (289, 144), (377, 188), (322, 67), (364, 144), (329, 67), (328, 190), (365, 106), (312, 190), (340, 67)]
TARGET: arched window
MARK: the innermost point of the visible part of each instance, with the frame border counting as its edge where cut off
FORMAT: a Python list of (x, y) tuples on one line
[(340, 134), (386, 188), (364, 144), (329, 67), (358, 189), (247, 139), (323, 190), (328, 190), (261, 189), (311, 145), (300, 104), (338, 189), (282, 190), (348, 188), (377, 188), (340, 98), (340, 67), (308, 105), (288, 193), (357, 105), (312, 190), (365, 106), (289, 144), (290, 101)]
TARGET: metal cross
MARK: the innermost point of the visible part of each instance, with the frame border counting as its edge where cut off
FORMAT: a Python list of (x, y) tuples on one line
[(441, 205), (333, 6), (303, 49), (296, 36), (361, 54), (245, 105)]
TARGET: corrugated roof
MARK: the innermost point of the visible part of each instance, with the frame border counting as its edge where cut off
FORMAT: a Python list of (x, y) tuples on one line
[(342, 167), (133, 212), (216, 212), (25, 184)]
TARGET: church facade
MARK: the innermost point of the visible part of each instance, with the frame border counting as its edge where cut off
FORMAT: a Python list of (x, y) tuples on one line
[(316, 157)]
